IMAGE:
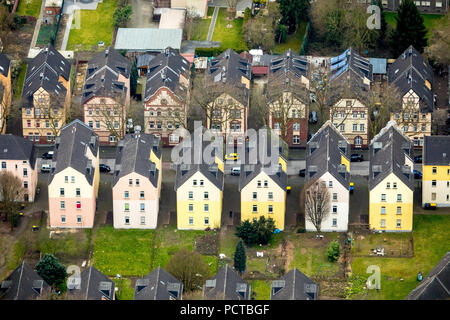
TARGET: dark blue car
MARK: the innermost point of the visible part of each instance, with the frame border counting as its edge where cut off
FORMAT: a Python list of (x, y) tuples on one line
[(417, 174)]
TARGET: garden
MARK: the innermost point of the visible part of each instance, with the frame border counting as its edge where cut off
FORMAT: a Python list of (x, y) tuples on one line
[(29, 8)]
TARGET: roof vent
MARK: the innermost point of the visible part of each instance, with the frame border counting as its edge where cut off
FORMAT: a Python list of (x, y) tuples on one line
[(141, 284)]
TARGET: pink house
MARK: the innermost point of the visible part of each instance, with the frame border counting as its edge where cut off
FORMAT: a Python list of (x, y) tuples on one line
[(73, 181), (17, 156)]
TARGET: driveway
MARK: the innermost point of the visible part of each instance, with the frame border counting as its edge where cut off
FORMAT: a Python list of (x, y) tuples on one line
[(142, 16)]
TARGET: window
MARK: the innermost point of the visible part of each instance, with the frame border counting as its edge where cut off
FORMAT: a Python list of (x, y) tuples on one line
[(296, 126), (388, 185), (383, 210), (142, 207), (142, 194), (127, 220), (296, 139), (130, 182), (137, 182), (355, 127), (383, 197), (399, 210), (29, 123), (112, 139), (270, 209), (61, 192), (25, 184), (191, 220), (383, 223), (97, 124), (266, 183), (66, 179), (142, 219), (127, 207), (355, 114), (206, 195), (433, 196), (399, 198), (78, 205), (77, 192), (334, 209), (399, 223), (63, 219), (255, 208), (206, 207), (206, 220), (202, 183), (334, 196), (361, 127), (191, 195), (259, 183), (72, 179), (433, 183), (394, 185), (342, 127), (36, 137), (270, 195), (191, 207), (255, 195), (434, 170), (334, 222), (62, 204), (363, 115), (126, 194), (330, 184), (194, 182)]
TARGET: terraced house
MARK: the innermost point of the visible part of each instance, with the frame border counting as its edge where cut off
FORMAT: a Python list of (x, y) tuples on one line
[(391, 184), (436, 171), (106, 95), (229, 77), (288, 98), (5, 90), (226, 285), (166, 95), (413, 77), (199, 187), (350, 80), (46, 96), (136, 185), (74, 177), (327, 163)]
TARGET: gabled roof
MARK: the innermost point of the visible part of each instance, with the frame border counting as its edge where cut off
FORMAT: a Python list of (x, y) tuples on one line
[(229, 67), (44, 71), (436, 150), (94, 286), (70, 150), (436, 285), (294, 285), (324, 152), (226, 285), (133, 155), (22, 284), (17, 148), (164, 70), (410, 72), (102, 75), (158, 285), (4, 64), (388, 152)]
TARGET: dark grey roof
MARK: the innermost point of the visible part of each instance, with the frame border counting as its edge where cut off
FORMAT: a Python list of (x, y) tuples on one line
[(102, 75), (133, 155), (164, 71), (436, 150), (263, 60), (94, 285), (409, 72), (226, 285), (143, 60), (44, 71), (23, 284), (436, 285), (185, 171), (4, 64), (70, 150), (17, 148), (388, 152), (294, 285), (158, 285), (324, 151)]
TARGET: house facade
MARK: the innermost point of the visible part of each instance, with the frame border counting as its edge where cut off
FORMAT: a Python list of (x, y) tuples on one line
[(45, 96), (413, 76), (288, 98), (17, 156), (106, 95), (327, 163), (430, 6), (166, 95), (391, 184), (136, 186), (74, 178), (436, 171), (5, 90)]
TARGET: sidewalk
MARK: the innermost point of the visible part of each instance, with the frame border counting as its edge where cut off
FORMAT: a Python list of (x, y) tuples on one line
[(213, 23)]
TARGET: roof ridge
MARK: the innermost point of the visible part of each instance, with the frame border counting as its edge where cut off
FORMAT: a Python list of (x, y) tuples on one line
[(20, 280), (88, 282)]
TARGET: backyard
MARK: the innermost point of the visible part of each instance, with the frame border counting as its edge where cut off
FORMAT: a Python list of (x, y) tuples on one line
[(293, 41), (96, 26), (229, 37), (429, 20), (29, 8)]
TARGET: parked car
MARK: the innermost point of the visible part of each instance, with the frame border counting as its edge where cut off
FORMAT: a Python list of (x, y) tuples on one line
[(313, 117), (417, 174), (356, 157), (302, 172), (48, 155), (429, 206), (46, 167), (235, 171), (418, 159), (104, 168), (231, 156)]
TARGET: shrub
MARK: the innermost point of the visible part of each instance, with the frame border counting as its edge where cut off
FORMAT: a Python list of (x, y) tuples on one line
[(333, 251), (301, 230), (256, 232)]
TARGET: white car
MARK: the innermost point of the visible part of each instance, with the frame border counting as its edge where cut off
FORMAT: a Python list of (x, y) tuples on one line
[(235, 171), (46, 167)]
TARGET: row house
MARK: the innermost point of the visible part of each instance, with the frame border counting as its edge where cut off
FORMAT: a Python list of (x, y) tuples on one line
[(158, 285), (166, 95), (228, 75), (46, 96), (391, 184), (17, 155), (351, 78), (288, 98), (328, 166), (199, 188), (92, 285), (106, 95), (436, 171), (136, 185), (5, 90), (294, 285), (74, 177), (412, 75), (226, 285)]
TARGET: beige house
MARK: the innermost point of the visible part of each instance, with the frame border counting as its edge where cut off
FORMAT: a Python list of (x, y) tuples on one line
[(5, 90), (45, 96)]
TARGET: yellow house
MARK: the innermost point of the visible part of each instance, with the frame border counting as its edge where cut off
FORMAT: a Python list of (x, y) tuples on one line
[(436, 171), (199, 189), (5, 90), (391, 184)]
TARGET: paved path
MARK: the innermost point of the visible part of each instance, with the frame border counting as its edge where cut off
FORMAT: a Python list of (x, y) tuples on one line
[(37, 27), (67, 32), (188, 46), (213, 23)]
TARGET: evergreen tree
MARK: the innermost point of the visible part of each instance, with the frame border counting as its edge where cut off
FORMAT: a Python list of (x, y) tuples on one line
[(383, 25), (51, 270), (410, 29), (133, 79), (293, 12), (240, 258)]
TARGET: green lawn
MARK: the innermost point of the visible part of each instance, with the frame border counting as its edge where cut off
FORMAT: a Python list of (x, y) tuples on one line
[(45, 33), (293, 41), (200, 29), (429, 20), (431, 242), (19, 82), (126, 291), (95, 26), (29, 8), (261, 289), (229, 37)]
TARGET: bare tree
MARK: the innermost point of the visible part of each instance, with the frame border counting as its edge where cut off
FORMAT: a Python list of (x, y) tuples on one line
[(11, 193), (111, 116), (6, 23), (439, 48), (315, 199), (5, 106), (321, 88)]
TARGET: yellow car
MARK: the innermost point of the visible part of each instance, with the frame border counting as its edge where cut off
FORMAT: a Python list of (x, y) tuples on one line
[(231, 156)]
